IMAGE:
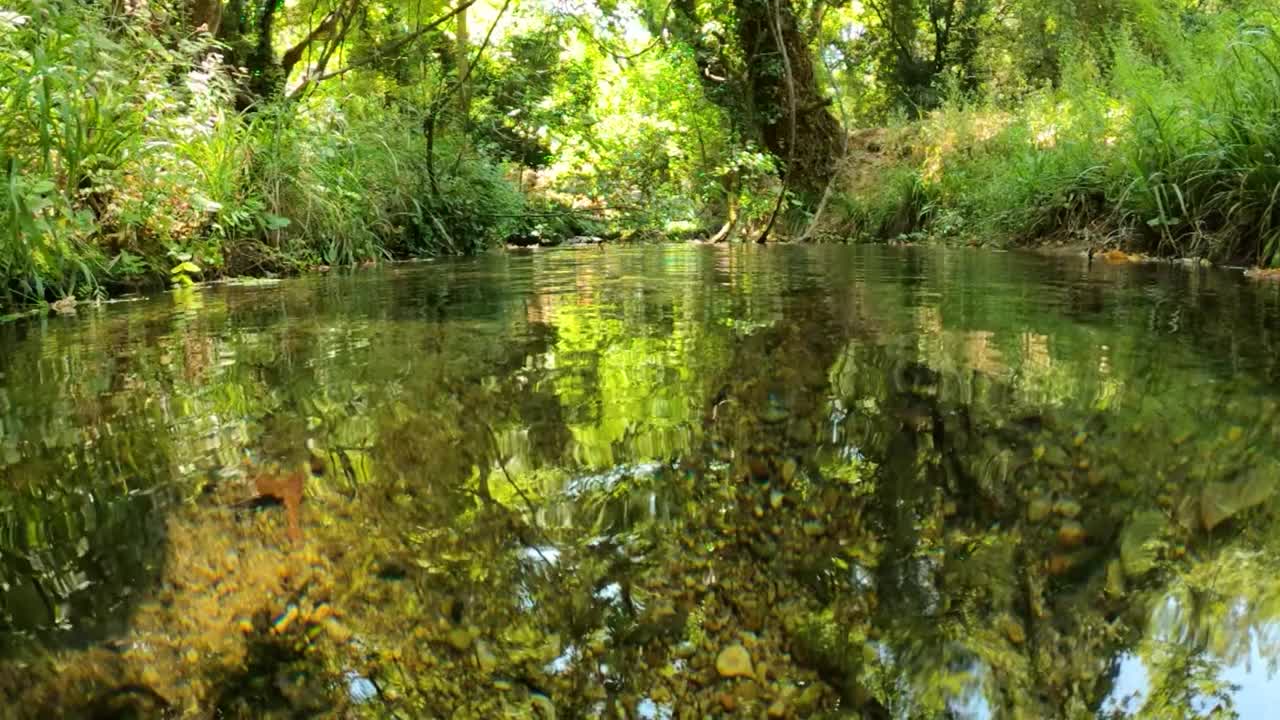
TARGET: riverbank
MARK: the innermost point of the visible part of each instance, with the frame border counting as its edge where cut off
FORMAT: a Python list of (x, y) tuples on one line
[(139, 152), (142, 153), (1149, 155)]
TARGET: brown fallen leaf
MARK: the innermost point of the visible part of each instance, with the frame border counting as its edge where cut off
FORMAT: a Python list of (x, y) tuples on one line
[(288, 490), (1263, 274), (1120, 256)]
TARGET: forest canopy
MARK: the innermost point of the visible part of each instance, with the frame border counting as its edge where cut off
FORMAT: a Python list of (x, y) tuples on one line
[(173, 141)]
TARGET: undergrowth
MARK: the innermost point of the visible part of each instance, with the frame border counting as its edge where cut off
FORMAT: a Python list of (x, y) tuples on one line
[(1177, 155), (123, 161)]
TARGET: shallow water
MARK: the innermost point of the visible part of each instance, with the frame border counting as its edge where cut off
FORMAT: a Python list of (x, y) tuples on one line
[(907, 482)]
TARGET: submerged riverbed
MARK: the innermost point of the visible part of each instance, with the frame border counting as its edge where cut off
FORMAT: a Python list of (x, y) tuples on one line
[(660, 482)]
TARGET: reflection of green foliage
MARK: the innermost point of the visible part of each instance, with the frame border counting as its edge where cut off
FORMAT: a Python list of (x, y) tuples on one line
[(645, 391), (907, 503), (1184, 680)]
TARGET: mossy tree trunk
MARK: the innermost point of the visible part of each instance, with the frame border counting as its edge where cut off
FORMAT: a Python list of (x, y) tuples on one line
[(771, 68), (764, 86)]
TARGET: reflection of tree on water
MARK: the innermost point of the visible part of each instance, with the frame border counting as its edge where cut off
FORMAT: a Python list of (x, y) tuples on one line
[(75, 518), (885, 531)]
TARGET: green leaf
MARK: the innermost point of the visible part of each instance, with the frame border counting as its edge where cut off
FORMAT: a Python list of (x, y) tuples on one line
[(42, 187), (1221, 500), (274, 222), (1138, 542), (186, 268)]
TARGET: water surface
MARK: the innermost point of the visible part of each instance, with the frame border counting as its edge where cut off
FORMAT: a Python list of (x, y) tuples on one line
[(657, 482)]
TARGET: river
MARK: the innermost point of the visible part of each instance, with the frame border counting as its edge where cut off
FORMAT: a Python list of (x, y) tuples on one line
[(654, 482)]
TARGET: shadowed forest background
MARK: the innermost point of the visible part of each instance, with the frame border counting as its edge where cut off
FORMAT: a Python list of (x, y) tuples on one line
[(145, 142)]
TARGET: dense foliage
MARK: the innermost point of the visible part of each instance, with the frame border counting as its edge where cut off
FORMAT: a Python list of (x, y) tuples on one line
[(177, 141), (1139, 123)]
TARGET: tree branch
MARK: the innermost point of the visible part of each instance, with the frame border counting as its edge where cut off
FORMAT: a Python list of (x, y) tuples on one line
[(294, 54), (844, 154), (439, 103), (892, 30), (816, 14), (382, 53), (332, 46), (620, 57)]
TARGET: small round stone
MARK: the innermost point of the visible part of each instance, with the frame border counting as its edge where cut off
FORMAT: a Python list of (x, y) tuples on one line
[(1071, 534), (734, 661)]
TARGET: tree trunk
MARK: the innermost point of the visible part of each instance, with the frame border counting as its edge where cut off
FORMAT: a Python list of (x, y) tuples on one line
[(464, 70), (817, 132), (721, 84), (754, 92), (205, 16), (266, 80)]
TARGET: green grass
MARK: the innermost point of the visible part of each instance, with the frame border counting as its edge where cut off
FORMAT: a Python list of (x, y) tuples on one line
[(1165, 157)]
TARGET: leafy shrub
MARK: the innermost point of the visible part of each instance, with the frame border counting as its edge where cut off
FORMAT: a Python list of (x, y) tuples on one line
[(472, 206), (124, 158)]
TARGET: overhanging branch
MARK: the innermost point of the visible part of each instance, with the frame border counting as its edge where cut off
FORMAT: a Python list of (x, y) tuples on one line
[(381, 53), (295, 53)]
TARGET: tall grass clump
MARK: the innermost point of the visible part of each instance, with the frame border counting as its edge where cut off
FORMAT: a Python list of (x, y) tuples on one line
[(1173, 153), (346, 180), (896, 204), (338, 185), (1204, 163), (115, 154), (61, 125), (343, 181), (977, 169), (1031, 173)]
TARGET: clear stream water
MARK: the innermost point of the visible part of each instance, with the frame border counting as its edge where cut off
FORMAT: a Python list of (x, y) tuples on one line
[(658, 482)]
